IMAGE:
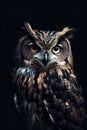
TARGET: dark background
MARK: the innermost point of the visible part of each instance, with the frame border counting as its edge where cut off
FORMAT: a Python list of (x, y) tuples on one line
[(52, 15)]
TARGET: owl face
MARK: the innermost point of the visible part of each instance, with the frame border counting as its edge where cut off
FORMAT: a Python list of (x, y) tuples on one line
[(43, 49)]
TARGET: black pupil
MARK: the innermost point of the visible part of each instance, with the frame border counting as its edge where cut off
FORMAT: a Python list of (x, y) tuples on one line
[(34, 47), (56, 48)]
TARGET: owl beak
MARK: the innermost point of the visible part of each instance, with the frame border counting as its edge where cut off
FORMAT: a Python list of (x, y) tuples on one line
[(46, 59)]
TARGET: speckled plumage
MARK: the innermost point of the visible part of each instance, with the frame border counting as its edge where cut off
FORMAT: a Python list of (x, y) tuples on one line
[(46, 89)]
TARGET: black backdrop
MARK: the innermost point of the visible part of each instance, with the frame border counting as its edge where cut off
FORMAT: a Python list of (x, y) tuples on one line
[(45, 15)]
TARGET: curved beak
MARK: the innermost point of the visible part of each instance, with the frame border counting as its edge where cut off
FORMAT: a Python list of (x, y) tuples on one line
[(46, 58)]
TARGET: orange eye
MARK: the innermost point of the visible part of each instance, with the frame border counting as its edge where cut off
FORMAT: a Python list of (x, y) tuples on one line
[(56, 49), (34, 50)]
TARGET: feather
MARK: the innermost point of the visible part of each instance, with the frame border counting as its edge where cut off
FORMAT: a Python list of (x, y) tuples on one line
[(50, 115)]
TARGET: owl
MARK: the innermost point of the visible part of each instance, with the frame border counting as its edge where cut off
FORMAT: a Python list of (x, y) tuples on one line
[(46, 91)]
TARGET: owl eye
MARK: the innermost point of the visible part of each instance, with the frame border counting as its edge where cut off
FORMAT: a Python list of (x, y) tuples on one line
[(57, 49), (34, 48)]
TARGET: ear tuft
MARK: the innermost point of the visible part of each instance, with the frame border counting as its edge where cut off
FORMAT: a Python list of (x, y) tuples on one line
[(66, 29), (69, 32), (28, 27), (30, 30)]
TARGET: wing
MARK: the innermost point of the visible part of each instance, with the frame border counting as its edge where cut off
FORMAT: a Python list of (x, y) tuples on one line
[(65, 105), (20, 79)]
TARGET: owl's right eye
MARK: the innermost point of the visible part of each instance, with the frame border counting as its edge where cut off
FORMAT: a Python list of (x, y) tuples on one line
[(57, 49), (33, 48)]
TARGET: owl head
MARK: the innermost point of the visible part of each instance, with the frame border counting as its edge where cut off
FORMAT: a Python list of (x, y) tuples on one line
[(45, 49)]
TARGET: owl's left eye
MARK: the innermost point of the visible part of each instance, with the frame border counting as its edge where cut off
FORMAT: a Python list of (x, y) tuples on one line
[(33, 48), (57, 49)]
